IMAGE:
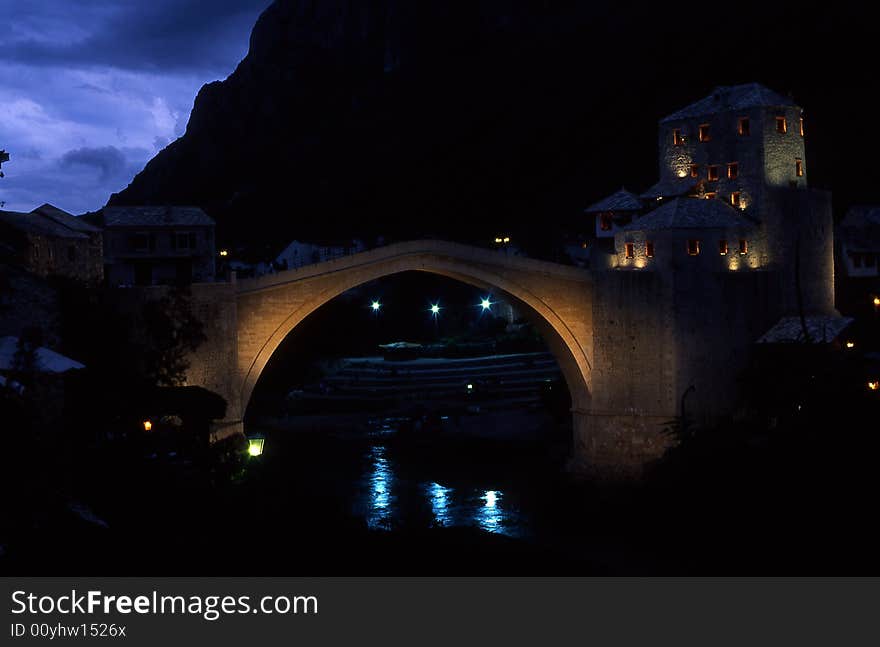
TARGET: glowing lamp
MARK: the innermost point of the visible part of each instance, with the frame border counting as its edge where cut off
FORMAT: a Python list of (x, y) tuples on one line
[(470, 387), (224, 252), (435, 309), (506, 239), (850, 344), (255, 445), (485, 304), (874, 385), (877, 301), (147, 425), (498, 240), (375, 305)]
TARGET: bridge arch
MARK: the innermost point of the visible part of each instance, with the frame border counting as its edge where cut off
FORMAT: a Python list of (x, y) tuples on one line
[(555, 299)]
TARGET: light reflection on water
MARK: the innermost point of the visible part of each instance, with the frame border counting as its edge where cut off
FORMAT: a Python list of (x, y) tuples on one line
[(381, 503), (380, 509)]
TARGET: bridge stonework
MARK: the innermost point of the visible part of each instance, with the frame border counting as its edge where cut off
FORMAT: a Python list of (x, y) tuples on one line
[(630, 344)]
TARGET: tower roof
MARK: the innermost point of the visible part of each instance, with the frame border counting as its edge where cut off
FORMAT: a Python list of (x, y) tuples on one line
[(691, 213), (623, 200), (727, 98)]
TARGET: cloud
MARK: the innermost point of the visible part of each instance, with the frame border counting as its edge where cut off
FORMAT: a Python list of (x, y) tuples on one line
[(109, 160), (93, 88), (160, 35)]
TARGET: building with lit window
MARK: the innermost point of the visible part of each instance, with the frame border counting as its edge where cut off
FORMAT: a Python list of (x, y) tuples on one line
[(729, 244)]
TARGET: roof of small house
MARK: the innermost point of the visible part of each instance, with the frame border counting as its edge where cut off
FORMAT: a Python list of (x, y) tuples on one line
[(66, 219), (155, 216), (669, 189), (860, 228), (790, 330), (728, 98), (46, 359), (38, 224), (691, 213), (623, 200)]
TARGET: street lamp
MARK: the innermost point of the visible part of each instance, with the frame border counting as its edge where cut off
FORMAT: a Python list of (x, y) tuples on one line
[(485, 303), (255, 445), (375, 306), (435, 309)]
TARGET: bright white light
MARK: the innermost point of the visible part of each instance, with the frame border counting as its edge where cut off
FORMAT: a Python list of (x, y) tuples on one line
[(486, 304), (435, 309), (470, 387), (375, 306)]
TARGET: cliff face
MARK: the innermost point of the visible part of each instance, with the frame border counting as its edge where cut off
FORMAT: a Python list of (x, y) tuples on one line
[(438, 117)]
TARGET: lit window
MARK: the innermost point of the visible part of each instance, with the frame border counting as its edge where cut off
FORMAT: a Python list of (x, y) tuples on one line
[(743, 246), (649, 249), (781, 125), (677, 137), (704, 133), (799, 167), (801, 125), (712, 173), (744, 128), (732, 170), (695, 170), (722, 247), (734, 198), (629, 249), (693, 247), (604, 222)]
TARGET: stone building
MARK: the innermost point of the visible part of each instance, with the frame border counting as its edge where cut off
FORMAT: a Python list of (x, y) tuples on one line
[(156, 245), (51, 242), (735, 244)]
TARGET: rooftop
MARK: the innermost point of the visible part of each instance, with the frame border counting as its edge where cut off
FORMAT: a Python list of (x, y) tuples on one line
[(66, 219), (790, 330), (860, 228), (36, 223), (155, 216), (623, 200), (691, 213), (727, 98)]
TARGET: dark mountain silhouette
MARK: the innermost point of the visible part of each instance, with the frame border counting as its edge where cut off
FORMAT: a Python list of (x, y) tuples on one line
[(463, 118)]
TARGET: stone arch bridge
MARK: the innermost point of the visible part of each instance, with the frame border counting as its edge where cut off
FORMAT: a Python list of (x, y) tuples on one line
[(608, 331)]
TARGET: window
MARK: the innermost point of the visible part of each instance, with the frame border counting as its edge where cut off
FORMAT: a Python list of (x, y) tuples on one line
[(649, 249), (799, 167), (743, 246), (801, 125), (856, 260), (677, 137), (744, 127), (712, 173), (781, 125), (629, 249), (704, 133), (734, 198), (722, 247), (695, 170), (733, 170), (139, 242), (183, 241), (605, 222), (693, 247)]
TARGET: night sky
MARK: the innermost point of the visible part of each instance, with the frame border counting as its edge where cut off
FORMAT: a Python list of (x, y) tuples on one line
[(92, 89)]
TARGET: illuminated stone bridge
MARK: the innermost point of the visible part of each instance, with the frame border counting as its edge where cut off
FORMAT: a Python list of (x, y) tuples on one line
[(623, 345)]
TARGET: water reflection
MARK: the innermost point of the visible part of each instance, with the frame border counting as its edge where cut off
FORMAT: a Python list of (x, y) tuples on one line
[(379, 514), (439, 497), (489, 516), (390, 499)]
